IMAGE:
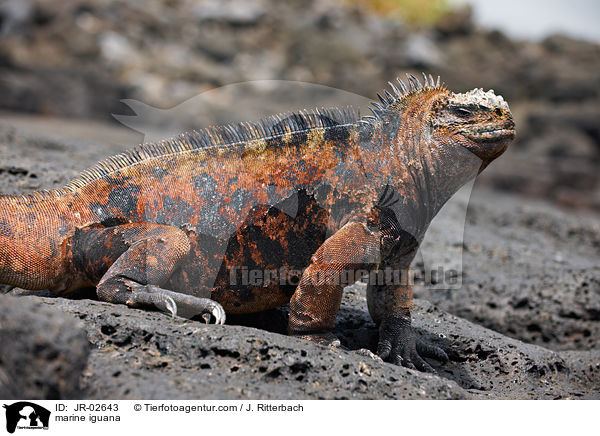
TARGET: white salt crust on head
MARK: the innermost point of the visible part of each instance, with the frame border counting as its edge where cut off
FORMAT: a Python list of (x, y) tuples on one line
[(478, 96)]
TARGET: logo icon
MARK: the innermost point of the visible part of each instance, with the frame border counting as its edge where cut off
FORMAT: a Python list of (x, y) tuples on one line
[(26, 415)]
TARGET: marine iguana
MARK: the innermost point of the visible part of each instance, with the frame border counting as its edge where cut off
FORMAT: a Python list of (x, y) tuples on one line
[(192, 225)]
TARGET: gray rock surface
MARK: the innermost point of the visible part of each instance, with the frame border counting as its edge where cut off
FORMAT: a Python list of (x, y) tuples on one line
[(530, 271), (140, 354), (43, 351)]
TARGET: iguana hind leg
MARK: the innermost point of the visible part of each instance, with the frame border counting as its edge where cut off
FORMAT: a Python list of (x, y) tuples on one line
[(131, 261)]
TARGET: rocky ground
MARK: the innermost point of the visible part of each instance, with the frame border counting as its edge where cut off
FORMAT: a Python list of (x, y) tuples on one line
[(523, 324)]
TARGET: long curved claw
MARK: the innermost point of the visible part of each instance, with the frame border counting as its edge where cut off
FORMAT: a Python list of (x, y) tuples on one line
[(384, 348), (431, 351), (407, 363), (170, 306), (161, 302), (421, 364), (213, 310), (218, 313)]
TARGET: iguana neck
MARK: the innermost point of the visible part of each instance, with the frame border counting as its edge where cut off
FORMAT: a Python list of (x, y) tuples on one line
[(424, 171)]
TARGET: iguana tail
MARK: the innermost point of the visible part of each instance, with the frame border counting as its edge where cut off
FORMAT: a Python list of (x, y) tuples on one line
[(32, 249)]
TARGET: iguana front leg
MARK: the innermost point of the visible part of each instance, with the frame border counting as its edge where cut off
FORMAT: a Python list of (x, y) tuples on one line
[(130, 262), (390, 306), (314, 305)]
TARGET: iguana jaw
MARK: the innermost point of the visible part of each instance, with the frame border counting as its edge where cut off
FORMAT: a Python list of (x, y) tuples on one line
[(490, 134), (489, 144)]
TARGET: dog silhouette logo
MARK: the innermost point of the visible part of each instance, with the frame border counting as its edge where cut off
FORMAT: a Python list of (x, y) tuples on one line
[(26, 415)]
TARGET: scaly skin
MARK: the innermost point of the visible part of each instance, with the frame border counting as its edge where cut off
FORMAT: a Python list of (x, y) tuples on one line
[(245, 218)]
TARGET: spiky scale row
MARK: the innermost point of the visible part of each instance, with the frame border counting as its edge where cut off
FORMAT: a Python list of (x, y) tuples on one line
[(401, 90), (217, 136)]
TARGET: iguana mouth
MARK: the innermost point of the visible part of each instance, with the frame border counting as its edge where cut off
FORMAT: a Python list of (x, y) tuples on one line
[(490, 134)]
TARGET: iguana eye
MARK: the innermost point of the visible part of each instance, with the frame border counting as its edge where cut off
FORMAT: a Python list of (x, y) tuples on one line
[(461, 112)]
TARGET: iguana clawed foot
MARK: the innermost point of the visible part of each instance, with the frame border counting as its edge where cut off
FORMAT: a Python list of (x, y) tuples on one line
[(398, 344), (175, 303)]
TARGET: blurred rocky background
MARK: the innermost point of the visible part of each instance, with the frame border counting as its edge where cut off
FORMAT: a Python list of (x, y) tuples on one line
[(79, 58)]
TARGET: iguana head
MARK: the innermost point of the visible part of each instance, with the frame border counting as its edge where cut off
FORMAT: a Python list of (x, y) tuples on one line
[(477, 120), (436, 120), (432, 141)]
